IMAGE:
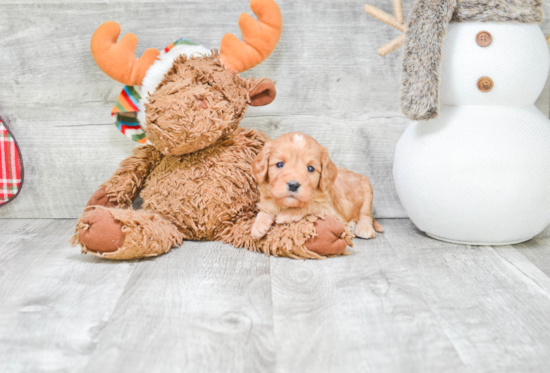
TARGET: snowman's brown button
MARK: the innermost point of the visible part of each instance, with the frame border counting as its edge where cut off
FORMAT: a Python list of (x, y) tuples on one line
[(484, 38), (485, 84)]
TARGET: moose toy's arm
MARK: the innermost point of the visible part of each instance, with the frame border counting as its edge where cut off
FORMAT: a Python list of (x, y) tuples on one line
[(124, 186)]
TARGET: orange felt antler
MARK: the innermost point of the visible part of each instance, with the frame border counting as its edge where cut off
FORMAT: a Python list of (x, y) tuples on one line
[(118, 60), (397, 22), (260, 37)]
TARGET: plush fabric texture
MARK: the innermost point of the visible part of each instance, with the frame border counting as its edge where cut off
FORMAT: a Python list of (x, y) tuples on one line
[(259, 37), (128, 125), (195, 175), (125, 112), (128, 105), (310, 238), (173, 122), (110, 237), (11, 166), (205, 195), (127, 101), (118, 60), (427, 26), (130, 234), (157, 72), (100, 198), (327, 244), (124, 186), (263, 94), (204, 191), (518, 11)]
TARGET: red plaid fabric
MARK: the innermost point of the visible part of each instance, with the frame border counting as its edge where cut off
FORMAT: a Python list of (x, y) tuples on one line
[(10, 166)]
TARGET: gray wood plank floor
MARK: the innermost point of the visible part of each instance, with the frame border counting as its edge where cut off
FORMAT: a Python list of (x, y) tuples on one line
[(399, 303)]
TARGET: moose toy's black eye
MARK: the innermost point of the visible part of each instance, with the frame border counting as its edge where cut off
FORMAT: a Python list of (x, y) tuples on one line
[(280, 165), (310, 168)]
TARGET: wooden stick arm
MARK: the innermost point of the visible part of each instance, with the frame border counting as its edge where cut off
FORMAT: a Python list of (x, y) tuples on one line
[(384, 17), (397, 22), (398, 10), (391, 46)]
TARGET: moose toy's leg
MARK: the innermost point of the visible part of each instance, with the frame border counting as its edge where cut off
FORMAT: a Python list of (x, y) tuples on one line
[(332, 237), (308, 239), (125, 234), (300, 240)]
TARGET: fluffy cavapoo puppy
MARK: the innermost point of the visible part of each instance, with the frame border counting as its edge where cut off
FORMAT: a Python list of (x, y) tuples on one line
[(296, 178)]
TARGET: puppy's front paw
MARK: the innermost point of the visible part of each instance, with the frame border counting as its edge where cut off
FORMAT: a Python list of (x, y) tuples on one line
[(259, 229), (283, 218), (365, 229)]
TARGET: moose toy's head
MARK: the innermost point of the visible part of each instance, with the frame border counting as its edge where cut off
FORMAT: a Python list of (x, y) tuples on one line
[(192, 96)]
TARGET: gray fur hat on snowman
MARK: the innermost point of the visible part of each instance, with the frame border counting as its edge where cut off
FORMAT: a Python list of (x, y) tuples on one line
[(423, 38)]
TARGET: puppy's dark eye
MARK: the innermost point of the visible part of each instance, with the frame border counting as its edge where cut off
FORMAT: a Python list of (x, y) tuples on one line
[(280, 165), (310, 168)]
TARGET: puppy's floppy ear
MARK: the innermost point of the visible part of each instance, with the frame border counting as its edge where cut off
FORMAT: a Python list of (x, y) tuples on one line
[(329, 172), (260, 164)]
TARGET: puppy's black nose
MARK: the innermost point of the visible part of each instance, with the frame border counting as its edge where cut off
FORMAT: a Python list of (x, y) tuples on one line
[(293, 186)]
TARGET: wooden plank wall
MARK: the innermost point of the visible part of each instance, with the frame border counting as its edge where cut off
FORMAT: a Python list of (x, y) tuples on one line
[(331, 84)]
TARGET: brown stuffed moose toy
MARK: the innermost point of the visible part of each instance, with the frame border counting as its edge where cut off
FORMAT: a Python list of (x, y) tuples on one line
[(195, 174)]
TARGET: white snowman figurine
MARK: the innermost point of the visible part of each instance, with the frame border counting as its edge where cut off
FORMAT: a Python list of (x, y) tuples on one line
[(474, 165)]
